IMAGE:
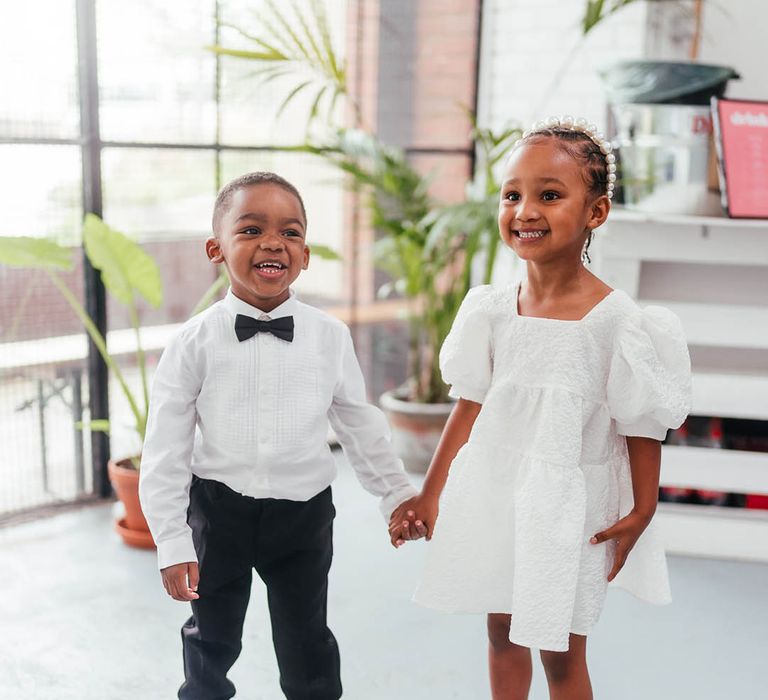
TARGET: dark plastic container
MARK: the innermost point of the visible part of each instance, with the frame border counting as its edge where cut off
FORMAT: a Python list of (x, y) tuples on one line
[(665, 82)]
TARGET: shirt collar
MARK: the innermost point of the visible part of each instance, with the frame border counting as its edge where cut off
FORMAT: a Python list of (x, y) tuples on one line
[(235, 306)]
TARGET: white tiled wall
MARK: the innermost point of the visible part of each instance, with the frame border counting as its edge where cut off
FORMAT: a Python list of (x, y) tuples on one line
[(734, 35), (536, 63)]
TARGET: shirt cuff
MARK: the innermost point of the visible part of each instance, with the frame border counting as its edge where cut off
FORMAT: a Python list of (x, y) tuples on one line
[(647, 427), (395, 497), (178, 550)]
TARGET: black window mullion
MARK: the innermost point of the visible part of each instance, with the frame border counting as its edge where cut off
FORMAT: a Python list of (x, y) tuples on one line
[(95, 296)]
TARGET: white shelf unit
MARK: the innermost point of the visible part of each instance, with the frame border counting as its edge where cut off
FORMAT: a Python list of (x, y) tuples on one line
[(652, 258)]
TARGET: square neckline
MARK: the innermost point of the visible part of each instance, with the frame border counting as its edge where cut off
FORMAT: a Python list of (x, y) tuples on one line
[(516, 297)]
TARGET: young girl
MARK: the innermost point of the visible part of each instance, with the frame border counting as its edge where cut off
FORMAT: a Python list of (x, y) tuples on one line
[(565, 390)]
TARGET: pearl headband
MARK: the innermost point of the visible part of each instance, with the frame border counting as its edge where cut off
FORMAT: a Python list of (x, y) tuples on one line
[(581, 125)]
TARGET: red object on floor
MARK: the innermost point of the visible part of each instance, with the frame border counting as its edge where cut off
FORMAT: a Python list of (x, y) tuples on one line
[(757, 501)]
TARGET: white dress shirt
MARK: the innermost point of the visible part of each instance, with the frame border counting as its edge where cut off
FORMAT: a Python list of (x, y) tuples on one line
[(254, 415)]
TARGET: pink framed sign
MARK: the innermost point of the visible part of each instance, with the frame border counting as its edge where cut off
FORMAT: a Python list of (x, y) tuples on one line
[(741, 139)]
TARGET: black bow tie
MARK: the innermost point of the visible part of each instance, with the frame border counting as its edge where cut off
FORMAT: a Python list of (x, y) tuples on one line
[(246, 327)]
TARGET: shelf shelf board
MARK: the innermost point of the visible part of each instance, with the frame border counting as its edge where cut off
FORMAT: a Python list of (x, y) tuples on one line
[(720, 325), (714, 469), (683, 240), (709, 531), (622, 214), (730, 395)]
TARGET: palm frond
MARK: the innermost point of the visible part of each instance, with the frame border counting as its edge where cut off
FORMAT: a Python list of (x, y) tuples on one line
[(336, 68), (293, 93), (297, 46), (295, 42), (250, 55), (596, 11), (267, 75), (313, 110), (314, 47)]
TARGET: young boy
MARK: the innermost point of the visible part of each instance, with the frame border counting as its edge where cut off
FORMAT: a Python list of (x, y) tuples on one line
[(236, 470)]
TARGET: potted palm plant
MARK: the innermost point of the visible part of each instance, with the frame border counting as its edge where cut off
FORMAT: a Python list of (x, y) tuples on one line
[(431, 250)]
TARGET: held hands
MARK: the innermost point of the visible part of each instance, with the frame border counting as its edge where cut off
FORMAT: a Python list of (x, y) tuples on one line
[(413, 519), (180, 580), (626, 532)]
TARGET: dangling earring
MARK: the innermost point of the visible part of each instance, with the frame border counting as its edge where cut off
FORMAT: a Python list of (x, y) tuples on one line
[(585, 253)]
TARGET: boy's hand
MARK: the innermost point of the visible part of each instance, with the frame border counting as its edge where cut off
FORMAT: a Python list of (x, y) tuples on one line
[(413, 519), (180, 580), (626, 532)]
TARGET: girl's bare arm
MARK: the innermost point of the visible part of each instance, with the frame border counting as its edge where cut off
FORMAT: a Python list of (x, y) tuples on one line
[(455, 435), (424, 507), (645, 465)]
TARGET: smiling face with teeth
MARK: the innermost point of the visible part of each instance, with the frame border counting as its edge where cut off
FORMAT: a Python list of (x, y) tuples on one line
[(546, 209), (261, 240)]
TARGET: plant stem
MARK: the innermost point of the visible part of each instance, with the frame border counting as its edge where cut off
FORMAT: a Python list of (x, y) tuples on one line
[(141, 358), (101, 346), (210, 294), (698, 11)]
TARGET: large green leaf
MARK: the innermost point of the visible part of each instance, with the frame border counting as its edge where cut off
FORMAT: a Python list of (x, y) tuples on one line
[(323, 252), (38, 253), (125, 267)]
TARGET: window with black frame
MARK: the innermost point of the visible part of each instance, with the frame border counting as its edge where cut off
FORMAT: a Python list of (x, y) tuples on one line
[(175, 122)]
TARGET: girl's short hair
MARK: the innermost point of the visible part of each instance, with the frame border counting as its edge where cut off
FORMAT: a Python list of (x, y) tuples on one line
[(263, 177), (583, 150)]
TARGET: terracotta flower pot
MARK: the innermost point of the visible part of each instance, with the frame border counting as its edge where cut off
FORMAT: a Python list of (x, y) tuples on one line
[(133, 527), (416, 428)]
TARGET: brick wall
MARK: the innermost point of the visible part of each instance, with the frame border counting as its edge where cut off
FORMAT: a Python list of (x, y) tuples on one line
[(427, 77), (413, 73)]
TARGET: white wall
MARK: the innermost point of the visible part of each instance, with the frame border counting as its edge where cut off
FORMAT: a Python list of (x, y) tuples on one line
[(526, 45), (535, 62), (735, 35)]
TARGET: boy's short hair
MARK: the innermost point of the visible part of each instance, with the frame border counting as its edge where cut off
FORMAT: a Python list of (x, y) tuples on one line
[(224, 198)]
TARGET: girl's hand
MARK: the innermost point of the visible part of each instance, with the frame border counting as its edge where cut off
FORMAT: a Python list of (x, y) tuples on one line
[(626, 532), (419, 511), (400, 524)]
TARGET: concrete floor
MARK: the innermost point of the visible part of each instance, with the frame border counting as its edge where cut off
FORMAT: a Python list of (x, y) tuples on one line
[(82, 617)]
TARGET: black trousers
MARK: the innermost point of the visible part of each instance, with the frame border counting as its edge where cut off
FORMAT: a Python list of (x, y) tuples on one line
[(290, 544)]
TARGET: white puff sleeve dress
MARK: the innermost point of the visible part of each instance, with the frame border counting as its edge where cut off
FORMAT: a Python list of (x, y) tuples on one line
[(546, 464)]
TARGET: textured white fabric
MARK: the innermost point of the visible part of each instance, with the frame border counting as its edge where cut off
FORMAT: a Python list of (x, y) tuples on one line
[(546, 464), (254, 416)]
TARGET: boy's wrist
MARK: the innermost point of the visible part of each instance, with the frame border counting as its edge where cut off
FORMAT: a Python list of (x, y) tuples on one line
[(177, 550)]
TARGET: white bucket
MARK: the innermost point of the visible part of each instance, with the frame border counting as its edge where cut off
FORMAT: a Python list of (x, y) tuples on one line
[(665, 158)]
